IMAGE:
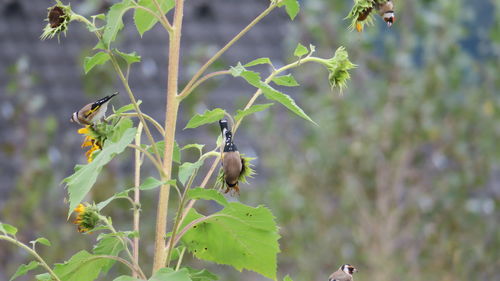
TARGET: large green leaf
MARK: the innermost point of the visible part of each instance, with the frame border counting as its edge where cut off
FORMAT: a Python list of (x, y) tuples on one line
[(144, 21), (97, 59), (253, 109), (83, 266), (108, 244), (285, 100), (207, 117), (114, 20), (292, 7), (168, 274), (239, 235), (207, 194), (24, 268), (80, 183)]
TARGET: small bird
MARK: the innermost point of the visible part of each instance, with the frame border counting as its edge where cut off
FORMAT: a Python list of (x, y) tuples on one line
[(232, 162), (344, 273), (386, 11), (92, 112)]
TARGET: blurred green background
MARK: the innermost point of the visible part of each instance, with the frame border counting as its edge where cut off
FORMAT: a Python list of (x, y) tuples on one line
[(401, 178)]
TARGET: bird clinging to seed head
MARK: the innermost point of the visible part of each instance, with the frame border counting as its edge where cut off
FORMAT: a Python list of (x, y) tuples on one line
[(344, 273), (232, 162), (92, 112), (386, 11)]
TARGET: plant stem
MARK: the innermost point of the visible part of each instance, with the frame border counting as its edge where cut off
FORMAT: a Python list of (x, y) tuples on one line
[(137, 182), (177, 219), (153, 160), (179, 261), (170, 124), (165, 21), (134, 103), (184, 94), (224, 49), (32, 252)]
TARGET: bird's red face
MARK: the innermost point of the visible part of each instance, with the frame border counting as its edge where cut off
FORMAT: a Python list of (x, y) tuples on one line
[(389, 18), (349, 269)]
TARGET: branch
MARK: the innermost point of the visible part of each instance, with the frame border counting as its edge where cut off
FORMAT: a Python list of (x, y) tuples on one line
[(224, 49), (32, 252)]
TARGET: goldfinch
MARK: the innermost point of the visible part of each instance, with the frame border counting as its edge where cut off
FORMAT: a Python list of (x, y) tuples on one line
[(386, 11), (92, 112), (344, 273), (232, 163)]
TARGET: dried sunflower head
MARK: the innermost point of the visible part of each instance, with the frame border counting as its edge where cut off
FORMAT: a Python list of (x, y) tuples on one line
[(58, 18)]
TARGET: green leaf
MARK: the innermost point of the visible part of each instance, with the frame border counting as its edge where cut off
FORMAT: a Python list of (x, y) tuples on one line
[(128, 107), (83, 266), (300, 50), (43, 277), (109, 245), (286, 80), (252, 77), (176, 157), (253, 109), (239, 235), (114, 20), (187, 169), (292, 7), (80, 183), (24, 268), (207, 194), (287, 278), (129, 58), (259, 61), (285, 100), (97, 59), (150, 183), (194, 145), (43, 241), (144, 21), (126, 278), (169, 274), (207, 117), (8, 229), (201, 275), (105, 203)]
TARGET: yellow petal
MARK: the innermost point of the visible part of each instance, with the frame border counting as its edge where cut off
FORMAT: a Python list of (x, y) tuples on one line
[(359, 27), (84, 130)]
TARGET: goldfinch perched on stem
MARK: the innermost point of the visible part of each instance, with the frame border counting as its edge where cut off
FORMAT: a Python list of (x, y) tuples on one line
[(344, 273), (232, 163), (92, 112)]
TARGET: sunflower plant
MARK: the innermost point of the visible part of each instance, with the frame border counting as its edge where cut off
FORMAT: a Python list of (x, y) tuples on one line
[(238, 235)]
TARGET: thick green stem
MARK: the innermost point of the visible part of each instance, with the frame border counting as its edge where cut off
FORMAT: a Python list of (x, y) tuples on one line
[(170, 124), (32, 252)]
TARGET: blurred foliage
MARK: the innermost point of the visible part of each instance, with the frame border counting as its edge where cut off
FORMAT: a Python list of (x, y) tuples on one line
[(399, 179)]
